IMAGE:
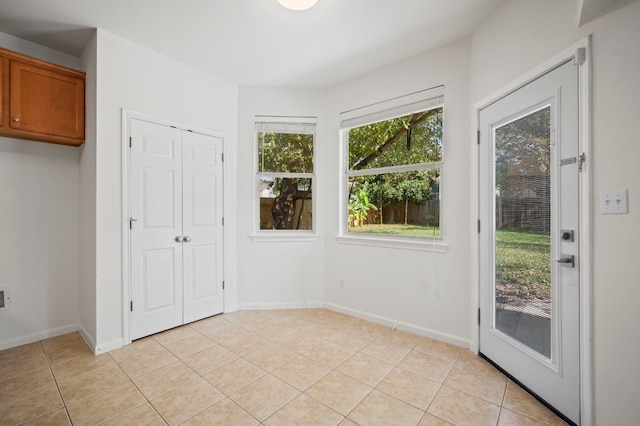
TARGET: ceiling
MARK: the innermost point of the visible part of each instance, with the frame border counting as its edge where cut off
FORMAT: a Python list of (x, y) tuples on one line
[(593, 9), (256, 42)]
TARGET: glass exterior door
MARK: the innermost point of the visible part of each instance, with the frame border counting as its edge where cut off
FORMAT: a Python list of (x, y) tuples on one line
[(529, 240), (523, 230)]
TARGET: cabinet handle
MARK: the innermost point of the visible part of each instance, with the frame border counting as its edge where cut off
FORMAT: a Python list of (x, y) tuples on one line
[(16, 119)]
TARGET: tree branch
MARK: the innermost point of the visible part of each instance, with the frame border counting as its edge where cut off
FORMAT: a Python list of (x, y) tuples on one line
[(415, 120)]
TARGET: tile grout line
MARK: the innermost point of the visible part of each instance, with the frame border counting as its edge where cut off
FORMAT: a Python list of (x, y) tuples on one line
[(139, 391), (55, 380), (181, 360), (301, 392)]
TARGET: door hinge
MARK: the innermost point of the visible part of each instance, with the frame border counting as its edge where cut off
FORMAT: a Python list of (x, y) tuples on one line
[(478, 226), (223, 285), (223, 157), (478, 137), (582, 158), (131, 305), (222, 220), (580, 56), (130, 141), (478, 316)]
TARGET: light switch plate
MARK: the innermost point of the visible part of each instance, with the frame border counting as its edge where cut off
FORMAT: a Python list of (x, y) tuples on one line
[(614, 202)]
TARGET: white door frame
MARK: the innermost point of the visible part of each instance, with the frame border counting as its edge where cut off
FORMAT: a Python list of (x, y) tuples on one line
[(584, 141), (127, 116)]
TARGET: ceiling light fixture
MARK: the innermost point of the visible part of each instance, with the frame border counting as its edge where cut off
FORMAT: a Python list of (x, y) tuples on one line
[(298, 4)]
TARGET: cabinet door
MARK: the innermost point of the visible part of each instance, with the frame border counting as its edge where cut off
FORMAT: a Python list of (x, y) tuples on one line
[(4, 92), (46, 101)]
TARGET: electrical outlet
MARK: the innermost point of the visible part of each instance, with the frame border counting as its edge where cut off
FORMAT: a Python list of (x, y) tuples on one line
[(614, 202)]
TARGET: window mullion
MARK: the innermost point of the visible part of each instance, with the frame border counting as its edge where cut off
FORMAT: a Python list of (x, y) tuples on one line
[(286, 175), (396, 169)]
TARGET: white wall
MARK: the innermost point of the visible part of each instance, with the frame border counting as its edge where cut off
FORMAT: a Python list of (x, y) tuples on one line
[(87, 271), (9, 42), (426, 292), (521, 35), (278, 274), (39, 210), (132, 77)]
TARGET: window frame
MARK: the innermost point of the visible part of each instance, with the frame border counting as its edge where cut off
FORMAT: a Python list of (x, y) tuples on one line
[(385, 110), (284, 234)]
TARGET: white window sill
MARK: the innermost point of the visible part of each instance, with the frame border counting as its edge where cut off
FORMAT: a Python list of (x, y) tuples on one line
[(280, 237), (435, 246)]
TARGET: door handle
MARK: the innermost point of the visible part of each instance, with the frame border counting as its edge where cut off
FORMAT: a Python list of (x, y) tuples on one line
[(567, 260), (187, 239), (179, 239)]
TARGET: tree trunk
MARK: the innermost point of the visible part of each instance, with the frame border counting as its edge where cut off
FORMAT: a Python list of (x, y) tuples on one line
[(299, 214), (406, 210), (284, 206)]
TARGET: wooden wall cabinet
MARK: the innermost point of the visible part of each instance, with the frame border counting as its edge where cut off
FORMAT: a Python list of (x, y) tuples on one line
[(41, 101)]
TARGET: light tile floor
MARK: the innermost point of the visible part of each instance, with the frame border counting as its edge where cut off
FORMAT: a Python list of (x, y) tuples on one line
[(282, 367)]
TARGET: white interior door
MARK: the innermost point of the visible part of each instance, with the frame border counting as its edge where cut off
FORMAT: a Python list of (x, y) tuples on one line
[(529, 240), (156, 219), (202, 226), (176, 234)]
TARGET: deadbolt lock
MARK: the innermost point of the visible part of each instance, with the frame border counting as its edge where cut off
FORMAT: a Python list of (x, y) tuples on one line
[(566, 235)]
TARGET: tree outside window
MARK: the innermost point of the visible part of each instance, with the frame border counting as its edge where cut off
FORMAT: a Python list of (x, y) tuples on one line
[(393, 177), (285, 175)]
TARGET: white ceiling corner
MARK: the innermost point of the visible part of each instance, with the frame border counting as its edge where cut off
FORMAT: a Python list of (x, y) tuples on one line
[(593, 9)]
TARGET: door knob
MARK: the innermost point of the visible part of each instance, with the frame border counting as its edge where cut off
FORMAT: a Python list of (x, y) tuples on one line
[(187, 239), (179, 239), (567, 260), (16, 119)]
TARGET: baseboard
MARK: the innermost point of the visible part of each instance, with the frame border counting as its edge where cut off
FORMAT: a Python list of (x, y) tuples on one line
[(40, 335), (102, 348), (284, 305), (231, 308), (400, 325), (108, 346), (87, 338)]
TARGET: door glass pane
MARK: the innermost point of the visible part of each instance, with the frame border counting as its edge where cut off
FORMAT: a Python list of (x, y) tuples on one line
[(523, 223)]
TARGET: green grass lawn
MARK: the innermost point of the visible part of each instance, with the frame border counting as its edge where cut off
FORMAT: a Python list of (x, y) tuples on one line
[(523, 266), (398, 229), (523, 257)]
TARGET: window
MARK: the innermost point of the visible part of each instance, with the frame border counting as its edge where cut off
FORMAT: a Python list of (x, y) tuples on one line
[(285, 176), (394, 159)]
